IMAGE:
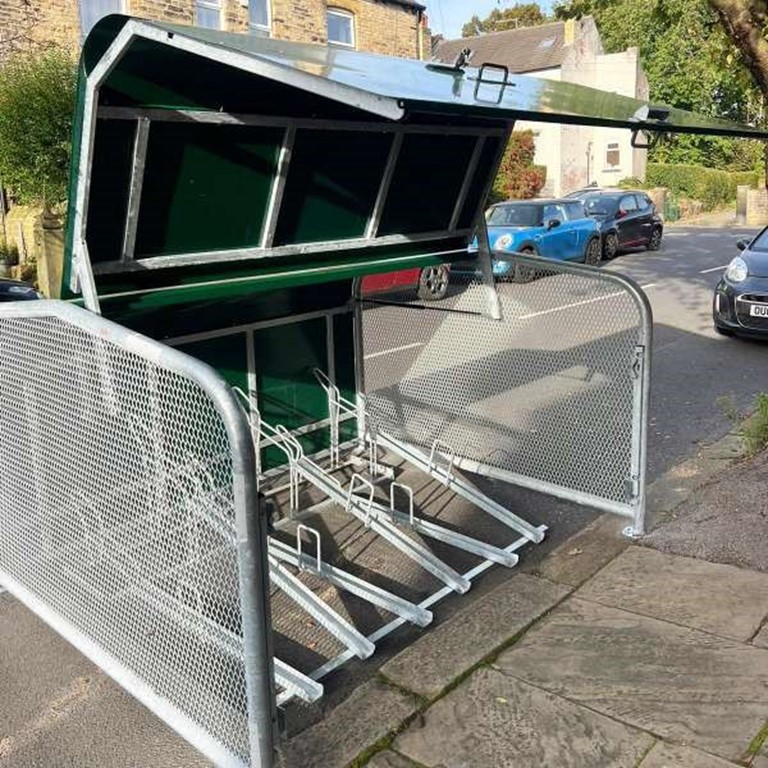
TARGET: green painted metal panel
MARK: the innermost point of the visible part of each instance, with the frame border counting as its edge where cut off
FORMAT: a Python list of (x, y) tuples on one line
[(227, 354), (427, 180), (417, 86), (110, 183), (286, 357), (332, 185), (206, 187)]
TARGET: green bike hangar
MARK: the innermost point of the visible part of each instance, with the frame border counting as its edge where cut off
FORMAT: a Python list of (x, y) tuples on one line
[(229, 192)]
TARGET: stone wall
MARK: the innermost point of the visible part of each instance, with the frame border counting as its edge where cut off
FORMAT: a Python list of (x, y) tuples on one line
[(381, 26), (757, 207)]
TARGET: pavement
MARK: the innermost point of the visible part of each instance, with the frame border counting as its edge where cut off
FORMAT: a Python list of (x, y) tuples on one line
[(608, 653)]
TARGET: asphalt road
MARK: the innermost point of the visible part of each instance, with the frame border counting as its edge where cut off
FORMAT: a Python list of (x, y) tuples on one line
[(693, 368)]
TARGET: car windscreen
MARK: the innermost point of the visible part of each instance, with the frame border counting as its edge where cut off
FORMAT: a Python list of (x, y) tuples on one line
[(601, 205), (760, 243), (515, 216), (575, 210)]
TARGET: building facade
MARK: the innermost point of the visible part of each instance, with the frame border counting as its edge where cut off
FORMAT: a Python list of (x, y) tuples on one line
[(390, 27), (571, 52)]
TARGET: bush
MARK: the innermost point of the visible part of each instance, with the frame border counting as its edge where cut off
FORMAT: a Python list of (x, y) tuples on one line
[(631, 182), (37, 101), (518, 178), (713, 188)]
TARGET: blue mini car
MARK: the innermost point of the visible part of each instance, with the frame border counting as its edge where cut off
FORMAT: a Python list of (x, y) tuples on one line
[(556, 229)]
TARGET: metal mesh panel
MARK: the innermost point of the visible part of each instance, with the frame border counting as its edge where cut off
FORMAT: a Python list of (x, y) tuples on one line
[(547, 394), (117, 515)]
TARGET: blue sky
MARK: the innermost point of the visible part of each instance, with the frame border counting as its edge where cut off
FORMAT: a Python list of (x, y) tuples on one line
[(446, 17)]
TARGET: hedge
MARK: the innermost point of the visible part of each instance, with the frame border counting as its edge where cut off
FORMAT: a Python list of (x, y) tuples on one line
[(710, 186)]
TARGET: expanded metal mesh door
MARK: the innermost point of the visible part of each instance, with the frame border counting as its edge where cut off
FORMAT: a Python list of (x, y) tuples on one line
[(550, 396), (117, 519)]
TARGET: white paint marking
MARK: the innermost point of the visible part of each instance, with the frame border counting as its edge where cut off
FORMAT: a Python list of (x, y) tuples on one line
[(581, 303), (712, 269), (393, 350)]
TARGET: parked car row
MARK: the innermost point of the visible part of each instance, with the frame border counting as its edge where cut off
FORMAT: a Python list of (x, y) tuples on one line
[(586, 226)]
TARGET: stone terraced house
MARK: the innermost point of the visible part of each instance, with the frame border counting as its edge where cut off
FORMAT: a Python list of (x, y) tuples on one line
[(391, 27)]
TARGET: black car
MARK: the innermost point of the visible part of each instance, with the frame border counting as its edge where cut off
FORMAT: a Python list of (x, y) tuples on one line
[(15, 290), (740, 303), (626, 218)]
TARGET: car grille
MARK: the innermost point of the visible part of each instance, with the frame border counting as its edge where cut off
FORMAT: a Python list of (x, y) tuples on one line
[(742, 311)]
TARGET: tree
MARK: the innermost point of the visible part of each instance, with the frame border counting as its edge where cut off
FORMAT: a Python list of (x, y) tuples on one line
[(518, 178), (689, 62), (37, 101), (746, 22), (519, 15)]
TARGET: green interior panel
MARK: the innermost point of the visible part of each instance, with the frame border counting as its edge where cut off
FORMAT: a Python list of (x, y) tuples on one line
[(479, 181), (110, 183), (286, 356), (332, 185), (344, 355), (427, 180), (206, 187), (227, 354)]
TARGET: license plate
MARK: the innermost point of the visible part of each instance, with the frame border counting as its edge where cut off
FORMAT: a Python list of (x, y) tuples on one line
[(758, 310)]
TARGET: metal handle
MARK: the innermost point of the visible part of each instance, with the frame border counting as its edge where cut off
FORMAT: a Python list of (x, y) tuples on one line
[(408, 492), (358, 478), (299, 541), (433, 466)]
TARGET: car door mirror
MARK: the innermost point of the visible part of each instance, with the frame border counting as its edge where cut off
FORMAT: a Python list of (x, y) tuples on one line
[(552, 223), (621, 213), (742, 244)]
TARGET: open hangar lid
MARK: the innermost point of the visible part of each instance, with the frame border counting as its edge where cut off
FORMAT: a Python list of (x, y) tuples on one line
[(207, 162)]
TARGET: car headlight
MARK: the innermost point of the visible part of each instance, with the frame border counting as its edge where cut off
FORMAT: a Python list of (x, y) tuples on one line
[(503, 242), (737, 271)]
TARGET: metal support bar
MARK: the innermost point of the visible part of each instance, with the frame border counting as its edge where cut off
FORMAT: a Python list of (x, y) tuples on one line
[(278, 188), (467, 183), (459, 486), (140, 143), (296, 683), (306, 599), (386, 180), (352, 584)]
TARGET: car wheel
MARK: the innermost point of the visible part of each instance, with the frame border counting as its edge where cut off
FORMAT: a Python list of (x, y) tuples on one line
[(524, 273), (593, 254), (655, 242), (433, 283), (610, 245)]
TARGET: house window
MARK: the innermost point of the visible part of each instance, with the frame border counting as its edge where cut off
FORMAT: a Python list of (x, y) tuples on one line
[(258, 17), (93, 10), (208, 14), (613, 156), (341, 27)]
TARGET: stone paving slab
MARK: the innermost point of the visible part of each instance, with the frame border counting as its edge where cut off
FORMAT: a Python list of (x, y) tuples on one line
[(674, 756), (390, 759), (721, 599), (761, 638), (494, 721), (444, 652), (369, 714), (687, 686), (585, 553)]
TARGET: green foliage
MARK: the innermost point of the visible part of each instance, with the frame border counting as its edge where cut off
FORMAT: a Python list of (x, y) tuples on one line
[(37, 99), (631, 182), (690, 63), (711, 186), (753, 430), (519, 15), (518, 178)]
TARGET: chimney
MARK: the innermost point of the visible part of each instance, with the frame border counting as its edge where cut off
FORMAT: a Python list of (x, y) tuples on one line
[(569, 34)]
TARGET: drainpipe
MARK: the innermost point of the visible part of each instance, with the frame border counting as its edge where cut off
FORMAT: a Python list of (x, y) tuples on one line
[(589, 159)]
